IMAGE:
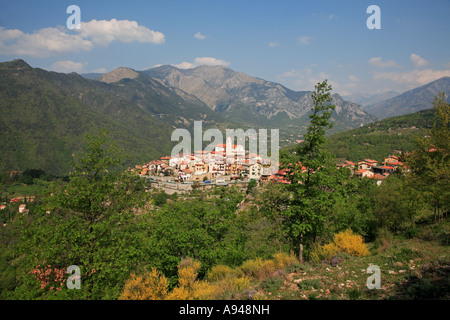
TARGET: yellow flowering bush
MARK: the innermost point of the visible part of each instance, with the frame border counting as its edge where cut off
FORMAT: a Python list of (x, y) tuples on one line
[(347, 241), (150, 286)]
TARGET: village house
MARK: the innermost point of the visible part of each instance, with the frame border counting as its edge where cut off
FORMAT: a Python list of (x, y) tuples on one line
[(362, 173), (200, 168), (367, 164), (383, 169), (184, 174), (378, 178)]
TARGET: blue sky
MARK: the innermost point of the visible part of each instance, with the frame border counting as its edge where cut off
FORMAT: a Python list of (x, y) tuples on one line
[(296, 43)]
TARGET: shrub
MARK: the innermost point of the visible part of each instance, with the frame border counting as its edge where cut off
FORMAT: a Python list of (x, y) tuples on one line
[(187, 272), (384, 239), (344, 242), (258, 268), (351, 243), (284, 260), (220, 272), (354, 294), (326, 251), (242, 283), (308, 284), (149, 286), (272, 284), (189, 287)]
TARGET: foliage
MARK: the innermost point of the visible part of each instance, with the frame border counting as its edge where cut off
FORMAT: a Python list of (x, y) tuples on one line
[(203, 228), (430, 163), (395, 203), (312, 175), (220, 272), (272, 201), (258, 268), (87, 222), (48, 114), (149, 286), (351, 243), (379, 139), (346, 241), (284, 260)]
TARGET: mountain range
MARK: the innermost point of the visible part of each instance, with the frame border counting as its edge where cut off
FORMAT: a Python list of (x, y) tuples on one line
[(253, 101), (367, 99), (411, 101), (46, 114)]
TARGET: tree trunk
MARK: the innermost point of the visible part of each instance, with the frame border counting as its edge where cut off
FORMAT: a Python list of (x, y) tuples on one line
[(300, 252)]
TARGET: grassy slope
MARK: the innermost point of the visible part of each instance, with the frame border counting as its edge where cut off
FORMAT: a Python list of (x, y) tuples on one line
[(42, 125), (379, 139), (411, 268)]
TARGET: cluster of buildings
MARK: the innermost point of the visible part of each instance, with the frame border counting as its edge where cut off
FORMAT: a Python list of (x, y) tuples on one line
[(232, 163), (369, 168)]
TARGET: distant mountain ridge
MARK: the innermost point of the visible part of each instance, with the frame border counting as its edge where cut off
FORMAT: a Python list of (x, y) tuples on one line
[(240, 96), (411, 101), (365, 99), (45, 116)]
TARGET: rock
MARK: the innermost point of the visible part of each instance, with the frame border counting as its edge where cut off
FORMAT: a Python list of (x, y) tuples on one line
[(294, 287), (279, 273), (398, 264), (336, 260), (251, 294)]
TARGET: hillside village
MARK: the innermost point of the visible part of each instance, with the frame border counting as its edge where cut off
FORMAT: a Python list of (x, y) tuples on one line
[(222, 166)]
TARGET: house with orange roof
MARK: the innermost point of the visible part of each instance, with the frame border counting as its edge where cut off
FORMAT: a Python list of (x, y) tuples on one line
[(378, 178)]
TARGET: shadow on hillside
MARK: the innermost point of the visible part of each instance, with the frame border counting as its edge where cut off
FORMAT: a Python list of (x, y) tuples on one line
[(431, 283)]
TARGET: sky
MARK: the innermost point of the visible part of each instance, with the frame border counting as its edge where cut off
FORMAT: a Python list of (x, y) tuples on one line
[(292, 42)]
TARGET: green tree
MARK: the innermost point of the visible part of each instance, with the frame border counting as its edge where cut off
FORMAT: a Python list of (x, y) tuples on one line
[(430, 163), (272, 202), (88, 222), (202, 228), (312, 175), (395, 204)]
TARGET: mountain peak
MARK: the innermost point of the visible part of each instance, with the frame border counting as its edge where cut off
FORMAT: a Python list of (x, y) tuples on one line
[(17, 64), (118, 74)]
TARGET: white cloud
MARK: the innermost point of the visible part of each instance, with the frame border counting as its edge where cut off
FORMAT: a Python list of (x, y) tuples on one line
[(103, 32), (208, 61), (304, 80), (418, 61), (41, 43), (50, 41), (332, 16), (67, 66), (353, 78), (289, 74), (379, 63), (184, 65), (199, 36), (273, 44), (411, 79), (305, 40), (100, 70)]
